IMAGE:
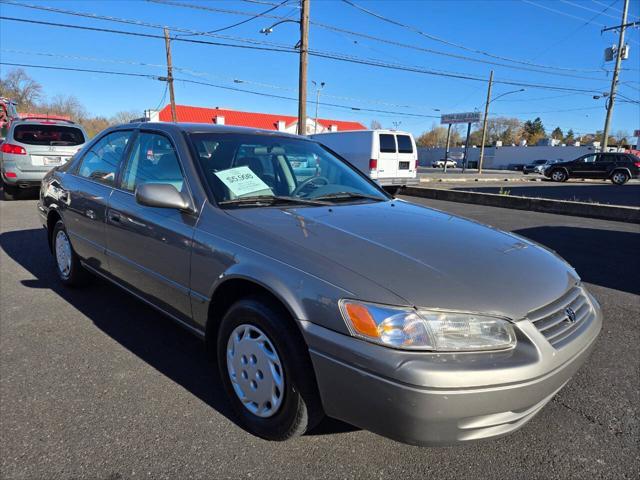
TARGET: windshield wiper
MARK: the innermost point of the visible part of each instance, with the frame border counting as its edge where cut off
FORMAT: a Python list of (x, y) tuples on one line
[(271, 200), (348, 196)]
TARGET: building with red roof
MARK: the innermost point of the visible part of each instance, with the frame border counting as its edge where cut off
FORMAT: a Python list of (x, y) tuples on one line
[(266, 121)]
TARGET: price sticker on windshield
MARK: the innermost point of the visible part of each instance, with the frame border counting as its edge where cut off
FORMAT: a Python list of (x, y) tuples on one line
[(242, 181)]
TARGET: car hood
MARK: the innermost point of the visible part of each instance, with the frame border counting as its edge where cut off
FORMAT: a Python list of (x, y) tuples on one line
[(427, 257)]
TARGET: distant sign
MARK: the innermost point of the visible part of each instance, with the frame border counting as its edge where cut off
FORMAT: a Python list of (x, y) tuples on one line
[(467, 117)]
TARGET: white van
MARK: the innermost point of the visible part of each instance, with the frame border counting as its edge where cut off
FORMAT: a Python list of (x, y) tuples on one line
[(389, 157)]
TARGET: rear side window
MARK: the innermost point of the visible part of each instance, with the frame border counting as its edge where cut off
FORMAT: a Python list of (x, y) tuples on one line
[(153, 160), (387, 143), (61, 135), (404, 144), (102, 161)]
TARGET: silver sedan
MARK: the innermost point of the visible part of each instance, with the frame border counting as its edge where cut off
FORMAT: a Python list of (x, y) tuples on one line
[(317, 292)]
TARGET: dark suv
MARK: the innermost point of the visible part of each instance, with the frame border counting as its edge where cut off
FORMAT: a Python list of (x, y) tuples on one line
[(614, 166)]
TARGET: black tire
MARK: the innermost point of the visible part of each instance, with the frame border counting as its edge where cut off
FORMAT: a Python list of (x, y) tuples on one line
[(619, 177), (301, 409), (393, 191), (9, 192), (559, 175), (76, 275)]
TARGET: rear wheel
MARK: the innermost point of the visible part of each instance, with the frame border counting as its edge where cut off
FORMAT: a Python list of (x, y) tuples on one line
[(266, 370), (68, 265), (559, 175), (391, 190), (9, 192), (620, 177)]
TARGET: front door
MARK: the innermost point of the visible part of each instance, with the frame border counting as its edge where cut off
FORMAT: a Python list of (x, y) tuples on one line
[(584, 167), (149, 248), (86, 192)]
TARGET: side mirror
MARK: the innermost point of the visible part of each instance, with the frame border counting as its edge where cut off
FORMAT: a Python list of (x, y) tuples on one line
[(161, 195)]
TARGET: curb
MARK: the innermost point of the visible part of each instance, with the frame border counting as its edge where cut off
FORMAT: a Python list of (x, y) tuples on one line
[(485, 179), (616, 213)]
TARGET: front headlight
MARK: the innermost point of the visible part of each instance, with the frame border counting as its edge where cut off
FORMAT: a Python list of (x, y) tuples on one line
[(421, 329)]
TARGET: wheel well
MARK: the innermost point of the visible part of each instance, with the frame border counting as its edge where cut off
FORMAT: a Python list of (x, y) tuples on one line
[(620, 169), (230, 292), (52, 219)]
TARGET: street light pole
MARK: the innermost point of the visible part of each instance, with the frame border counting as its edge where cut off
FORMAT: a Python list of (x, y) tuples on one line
[(302, 77), (614, 79), (318, 89), (484, 122)]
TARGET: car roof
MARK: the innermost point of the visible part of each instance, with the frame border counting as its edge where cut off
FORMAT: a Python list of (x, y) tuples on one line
[(206, 128), (44, 121)]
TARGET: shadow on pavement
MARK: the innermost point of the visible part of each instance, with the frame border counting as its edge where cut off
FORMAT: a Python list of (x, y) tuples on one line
[(139, 328), (603, 257), (628, 195)]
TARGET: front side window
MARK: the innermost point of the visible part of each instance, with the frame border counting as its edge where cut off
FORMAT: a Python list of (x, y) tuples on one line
[(101, 162), (153, 160), (405, 145), (49, 135), (387, 143), (246, 166)]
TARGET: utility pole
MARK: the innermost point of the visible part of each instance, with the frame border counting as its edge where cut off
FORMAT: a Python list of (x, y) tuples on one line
[(167, 44), (614, 79), (302, 77), (484, 123)]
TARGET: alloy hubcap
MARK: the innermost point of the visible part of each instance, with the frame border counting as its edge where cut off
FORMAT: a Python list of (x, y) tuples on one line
[(63, 253), (619, 177), (558, 175), (255, 370)]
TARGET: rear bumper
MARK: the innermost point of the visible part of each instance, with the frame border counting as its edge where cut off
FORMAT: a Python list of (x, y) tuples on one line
[(23, 178), (398, 181), (408, 403)]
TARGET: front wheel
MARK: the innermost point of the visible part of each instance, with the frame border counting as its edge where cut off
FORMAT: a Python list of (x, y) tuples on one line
[(266, 370), (559, 176), (619, 178)]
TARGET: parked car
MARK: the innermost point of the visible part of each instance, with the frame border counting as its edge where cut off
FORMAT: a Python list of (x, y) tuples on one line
[(536, 166), (617, 167), (440, 163), (316, 293), (32, 147), (389, 157)]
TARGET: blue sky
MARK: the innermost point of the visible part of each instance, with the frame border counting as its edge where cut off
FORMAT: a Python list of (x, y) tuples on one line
[(517, 29)]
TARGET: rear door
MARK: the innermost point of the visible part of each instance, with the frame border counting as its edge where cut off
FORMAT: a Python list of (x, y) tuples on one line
[(407, 156), (387, 156), (47, 144), (605, 162), (87, 191)]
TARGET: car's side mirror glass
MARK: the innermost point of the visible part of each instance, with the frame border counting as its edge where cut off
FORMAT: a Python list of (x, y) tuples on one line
[(161, 195)]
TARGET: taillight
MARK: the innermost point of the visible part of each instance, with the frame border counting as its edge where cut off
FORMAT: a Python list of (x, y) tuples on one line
[(13, 149), (10, 175), (373, 164), (637, 164)]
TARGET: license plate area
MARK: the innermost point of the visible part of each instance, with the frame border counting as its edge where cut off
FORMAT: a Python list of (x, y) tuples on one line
[(403, 165), (51, 160)]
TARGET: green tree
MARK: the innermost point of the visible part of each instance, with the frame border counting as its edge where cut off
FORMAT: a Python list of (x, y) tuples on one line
[(533, 131), (557, 134), (570, 137)]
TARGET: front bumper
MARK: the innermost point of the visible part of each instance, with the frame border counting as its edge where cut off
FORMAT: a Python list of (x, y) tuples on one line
[(442, 399)]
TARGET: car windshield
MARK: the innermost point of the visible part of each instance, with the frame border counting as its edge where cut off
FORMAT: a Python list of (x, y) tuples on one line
[(35, 134), (539, 162), (240, 168)]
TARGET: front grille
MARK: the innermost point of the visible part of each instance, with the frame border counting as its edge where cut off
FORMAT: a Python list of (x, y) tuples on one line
[(554, 320)]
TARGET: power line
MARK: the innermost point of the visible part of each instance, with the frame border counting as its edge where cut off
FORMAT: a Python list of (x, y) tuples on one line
[(223, 87), (590, 9), (560, 12), (556, 69), (327, 55), (446, 42), (257, 15)]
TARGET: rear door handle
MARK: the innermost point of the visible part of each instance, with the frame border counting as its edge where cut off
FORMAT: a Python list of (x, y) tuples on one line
[(115, 217)]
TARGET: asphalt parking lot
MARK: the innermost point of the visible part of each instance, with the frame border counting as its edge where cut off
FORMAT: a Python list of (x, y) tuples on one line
[(94, 384)]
